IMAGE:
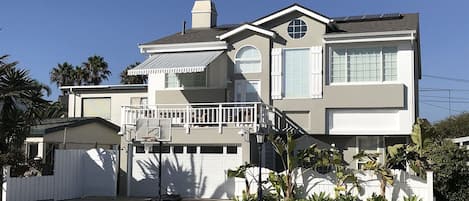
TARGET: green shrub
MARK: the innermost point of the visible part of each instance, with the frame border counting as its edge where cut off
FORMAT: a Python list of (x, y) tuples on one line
[(347, 197), (412, 198), (376, 197), (320, 197)]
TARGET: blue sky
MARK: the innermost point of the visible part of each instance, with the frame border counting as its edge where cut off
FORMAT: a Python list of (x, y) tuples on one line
[(41, 34)]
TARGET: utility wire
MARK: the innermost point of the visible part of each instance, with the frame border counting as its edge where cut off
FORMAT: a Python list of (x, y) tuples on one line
[(444, 101), (446, 97), (447, 78), (445, 108)]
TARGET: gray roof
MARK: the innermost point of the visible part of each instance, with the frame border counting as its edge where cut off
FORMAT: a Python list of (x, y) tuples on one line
[(405, 22), (194, 35), (51, 125)]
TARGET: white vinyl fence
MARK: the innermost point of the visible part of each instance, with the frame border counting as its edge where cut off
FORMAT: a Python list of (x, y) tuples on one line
[(312, 182), (77, 173)]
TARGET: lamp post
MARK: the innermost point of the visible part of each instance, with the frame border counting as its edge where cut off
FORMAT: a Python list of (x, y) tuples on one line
[(260, 141)]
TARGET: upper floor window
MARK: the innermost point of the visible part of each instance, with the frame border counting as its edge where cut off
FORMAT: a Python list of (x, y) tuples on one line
[(185, 80), (297, 29), (248, 60), (297, 66), (375, 64), (96, 107)]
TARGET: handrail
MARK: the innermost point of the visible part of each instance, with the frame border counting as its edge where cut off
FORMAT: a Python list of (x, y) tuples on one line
[(195, 104)]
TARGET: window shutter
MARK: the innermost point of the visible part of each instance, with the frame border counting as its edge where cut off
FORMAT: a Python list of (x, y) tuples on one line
[(316, 72), (276, 88)]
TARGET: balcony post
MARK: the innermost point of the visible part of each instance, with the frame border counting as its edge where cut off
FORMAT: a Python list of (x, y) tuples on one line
[(220, 113), (123, 120), (188, 119)]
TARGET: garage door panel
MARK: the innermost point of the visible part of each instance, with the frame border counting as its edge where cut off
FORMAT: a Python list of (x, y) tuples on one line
[(190, 175)]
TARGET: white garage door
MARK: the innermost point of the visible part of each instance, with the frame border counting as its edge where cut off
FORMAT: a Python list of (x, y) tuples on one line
[(188, 170)]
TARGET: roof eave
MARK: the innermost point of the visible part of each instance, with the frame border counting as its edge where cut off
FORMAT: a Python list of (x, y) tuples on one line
[(183, 47), (247, 27), (294, 7)]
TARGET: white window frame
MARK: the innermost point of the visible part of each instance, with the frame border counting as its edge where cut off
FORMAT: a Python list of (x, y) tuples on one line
[(382, 81), (236, 59), (284, 77), (183, 88), (247, 81), (305, 33)]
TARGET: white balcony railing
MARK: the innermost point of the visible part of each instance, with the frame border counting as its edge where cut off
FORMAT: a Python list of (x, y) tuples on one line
[(219, 115)]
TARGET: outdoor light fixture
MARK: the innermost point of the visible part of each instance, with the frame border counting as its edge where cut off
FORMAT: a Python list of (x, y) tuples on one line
[(260, 137)]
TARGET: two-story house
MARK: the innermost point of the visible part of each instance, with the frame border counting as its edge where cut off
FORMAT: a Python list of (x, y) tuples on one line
[(351, 82)]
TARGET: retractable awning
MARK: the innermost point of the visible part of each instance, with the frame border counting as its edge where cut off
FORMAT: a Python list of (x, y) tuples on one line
[(180, 62)]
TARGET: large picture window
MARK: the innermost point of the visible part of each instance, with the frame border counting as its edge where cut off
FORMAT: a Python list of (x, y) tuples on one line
[(96, 107), (248, 60), (297, 73), (375, 64), (185, 80)]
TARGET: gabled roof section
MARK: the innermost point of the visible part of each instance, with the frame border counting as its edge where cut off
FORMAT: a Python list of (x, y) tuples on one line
[(295, 7), (51, 125), (247, 27)]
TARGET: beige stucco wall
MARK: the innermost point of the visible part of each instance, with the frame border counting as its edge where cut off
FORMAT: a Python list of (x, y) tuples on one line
[(190, 96), (118, 98)]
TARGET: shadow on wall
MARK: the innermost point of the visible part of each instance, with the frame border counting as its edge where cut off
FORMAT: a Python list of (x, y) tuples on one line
[(184, 175), (175, 178), (100, 167)]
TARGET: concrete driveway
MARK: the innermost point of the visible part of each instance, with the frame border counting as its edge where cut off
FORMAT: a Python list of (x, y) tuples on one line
[(132, 199)]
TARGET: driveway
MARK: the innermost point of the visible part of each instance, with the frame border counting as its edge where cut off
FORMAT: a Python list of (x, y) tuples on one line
[(132, 199)]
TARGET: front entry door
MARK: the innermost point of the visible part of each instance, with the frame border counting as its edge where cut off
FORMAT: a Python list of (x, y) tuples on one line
[(247, 90)]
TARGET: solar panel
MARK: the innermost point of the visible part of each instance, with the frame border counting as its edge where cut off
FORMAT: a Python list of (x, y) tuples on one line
[(391, 15), (372, 17), (354, 18)]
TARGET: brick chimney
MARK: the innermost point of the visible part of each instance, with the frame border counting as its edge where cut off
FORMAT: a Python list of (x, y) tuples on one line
[(204, 14)]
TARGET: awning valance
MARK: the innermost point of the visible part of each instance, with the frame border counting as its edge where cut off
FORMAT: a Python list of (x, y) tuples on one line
[(180, 62)]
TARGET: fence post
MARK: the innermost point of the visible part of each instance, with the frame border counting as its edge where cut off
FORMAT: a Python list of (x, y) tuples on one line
[(220, 110), (430, 186), (5, 178)]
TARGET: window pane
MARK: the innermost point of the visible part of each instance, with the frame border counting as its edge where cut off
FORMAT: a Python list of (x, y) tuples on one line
[(177, 80), (297, 73), (232, 150), (140, 149), (390, 63), (191, 149), (211, 149), (252, 91), (368, 144), (97, 107), (364, 64), (156, 149), (171, 81), (338, 66), (178, 149), (248, 60)]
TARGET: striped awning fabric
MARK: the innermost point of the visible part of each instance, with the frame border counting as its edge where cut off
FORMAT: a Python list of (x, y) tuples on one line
[(179, 62)]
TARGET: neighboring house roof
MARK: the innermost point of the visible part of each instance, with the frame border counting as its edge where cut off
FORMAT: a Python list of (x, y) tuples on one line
[(137, 87), (398, 23), (51, 125)]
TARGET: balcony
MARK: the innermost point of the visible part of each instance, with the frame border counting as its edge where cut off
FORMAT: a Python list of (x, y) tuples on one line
[(250, 115), (216, 115)]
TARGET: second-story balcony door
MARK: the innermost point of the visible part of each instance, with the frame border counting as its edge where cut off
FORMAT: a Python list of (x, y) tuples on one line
[(247, 90)]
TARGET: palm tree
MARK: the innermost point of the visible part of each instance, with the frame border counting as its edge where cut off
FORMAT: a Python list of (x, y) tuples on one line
[(21, 105), (62, 75), (132, 79), (98, 70), (80, 76)]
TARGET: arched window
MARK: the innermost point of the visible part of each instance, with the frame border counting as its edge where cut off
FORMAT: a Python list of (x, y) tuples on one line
[(248, 60)]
